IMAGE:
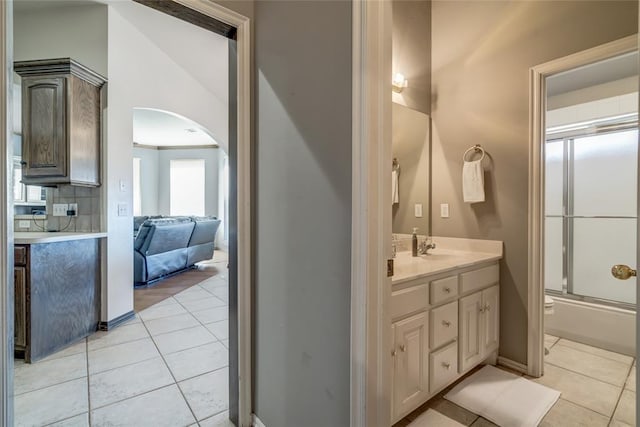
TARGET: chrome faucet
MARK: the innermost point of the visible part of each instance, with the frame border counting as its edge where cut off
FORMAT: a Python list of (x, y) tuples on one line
[(423, 248)]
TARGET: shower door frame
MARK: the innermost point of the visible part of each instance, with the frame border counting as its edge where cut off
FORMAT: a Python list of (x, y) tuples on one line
[(568, 163), (536, 217)]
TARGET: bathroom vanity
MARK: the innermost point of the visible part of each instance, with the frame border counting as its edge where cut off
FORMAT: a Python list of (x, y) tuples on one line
[(445, 317)]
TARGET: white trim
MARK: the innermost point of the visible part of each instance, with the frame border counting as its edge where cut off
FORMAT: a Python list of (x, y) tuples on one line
[(257, 422), (537, 76), (6, 215), (371, 215), (243, 39), (516, 366)]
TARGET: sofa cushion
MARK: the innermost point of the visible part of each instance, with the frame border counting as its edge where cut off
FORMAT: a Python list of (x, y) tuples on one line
[(163, 235)]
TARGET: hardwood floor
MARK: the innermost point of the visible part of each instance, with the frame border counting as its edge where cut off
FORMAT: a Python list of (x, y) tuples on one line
[(170, 286)]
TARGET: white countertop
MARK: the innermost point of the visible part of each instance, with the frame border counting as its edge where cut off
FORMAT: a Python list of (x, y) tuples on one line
[(450, 254), (32, 237)]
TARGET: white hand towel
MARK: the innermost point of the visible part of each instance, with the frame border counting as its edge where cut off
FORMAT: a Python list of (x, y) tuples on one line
[(394, 187), (473, 182)]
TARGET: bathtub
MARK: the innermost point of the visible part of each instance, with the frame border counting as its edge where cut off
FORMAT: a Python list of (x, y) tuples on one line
[(598, 325)]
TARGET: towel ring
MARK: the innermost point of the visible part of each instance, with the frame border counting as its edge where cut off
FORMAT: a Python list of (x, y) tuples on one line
[(476, 149)]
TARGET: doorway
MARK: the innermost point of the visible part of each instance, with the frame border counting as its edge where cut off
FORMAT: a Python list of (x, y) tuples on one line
[(239, 121), (584, 150)]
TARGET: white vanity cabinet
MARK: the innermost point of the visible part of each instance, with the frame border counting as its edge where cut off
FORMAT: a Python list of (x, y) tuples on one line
[(411, 362), (443, 324)]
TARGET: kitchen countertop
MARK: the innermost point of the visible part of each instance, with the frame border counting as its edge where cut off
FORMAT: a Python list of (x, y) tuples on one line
[(450, 254), (31, 237)]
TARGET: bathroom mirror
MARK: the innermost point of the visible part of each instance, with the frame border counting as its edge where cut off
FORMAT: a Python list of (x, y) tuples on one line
[(410, 147)]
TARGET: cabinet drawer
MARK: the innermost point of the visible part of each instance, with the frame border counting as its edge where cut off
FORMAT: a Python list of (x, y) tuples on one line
[(444, 324), (408, 301), (444, 289), (443, 367), (480, 278), (20, 255)]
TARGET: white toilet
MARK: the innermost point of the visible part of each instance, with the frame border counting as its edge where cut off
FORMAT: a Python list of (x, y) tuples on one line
[(548, 311)]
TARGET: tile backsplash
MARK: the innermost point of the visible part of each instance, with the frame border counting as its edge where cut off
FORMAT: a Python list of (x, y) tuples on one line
[(88, 219)]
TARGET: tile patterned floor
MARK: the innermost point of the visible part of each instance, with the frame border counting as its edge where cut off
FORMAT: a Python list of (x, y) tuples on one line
[(167, 367), (598, 389)]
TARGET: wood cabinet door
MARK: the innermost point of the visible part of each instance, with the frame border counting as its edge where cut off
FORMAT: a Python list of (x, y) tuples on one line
[(20, 310), (491, 319), (44, 152), (411, 364), (470, 324)]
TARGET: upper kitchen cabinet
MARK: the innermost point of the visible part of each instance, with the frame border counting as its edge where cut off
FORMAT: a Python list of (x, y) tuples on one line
[(61, 111)]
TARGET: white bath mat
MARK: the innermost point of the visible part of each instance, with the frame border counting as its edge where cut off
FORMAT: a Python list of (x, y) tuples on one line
[(433, 418), (504, 398)]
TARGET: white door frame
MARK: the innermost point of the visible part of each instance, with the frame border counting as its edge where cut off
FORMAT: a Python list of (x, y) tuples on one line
[(537, 88), (371, 215), (243, 35)]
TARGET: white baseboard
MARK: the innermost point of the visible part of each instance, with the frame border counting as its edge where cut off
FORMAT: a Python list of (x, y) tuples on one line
[(516, 366), (257, 422)]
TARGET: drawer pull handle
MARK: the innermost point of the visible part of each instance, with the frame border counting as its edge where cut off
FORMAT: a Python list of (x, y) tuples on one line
[(447, 289), (446, 365), (446, 323), (402, 348)]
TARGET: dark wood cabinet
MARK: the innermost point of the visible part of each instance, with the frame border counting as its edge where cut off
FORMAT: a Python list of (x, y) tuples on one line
[(20, 297), (61, 111), (57, 295)]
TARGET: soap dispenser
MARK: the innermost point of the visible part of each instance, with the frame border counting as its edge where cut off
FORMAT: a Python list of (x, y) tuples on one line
[(414, 242)]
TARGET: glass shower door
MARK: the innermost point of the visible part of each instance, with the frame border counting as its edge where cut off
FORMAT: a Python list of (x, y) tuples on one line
[(601, 214)]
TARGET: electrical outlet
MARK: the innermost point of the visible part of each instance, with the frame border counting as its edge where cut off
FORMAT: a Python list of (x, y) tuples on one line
[(73, 207), (60, 209), (444, 210), (122, 209), (24, 224)]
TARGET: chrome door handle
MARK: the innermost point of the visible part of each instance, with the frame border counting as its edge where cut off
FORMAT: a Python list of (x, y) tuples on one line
[(622, 272)]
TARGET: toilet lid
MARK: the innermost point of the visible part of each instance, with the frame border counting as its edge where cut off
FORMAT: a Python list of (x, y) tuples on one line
[(548, 301)]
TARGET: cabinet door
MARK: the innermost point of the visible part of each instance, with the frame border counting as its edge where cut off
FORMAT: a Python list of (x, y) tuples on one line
[(44, 151), (491, 319), (20, 310), (411, 364), (470, 324)]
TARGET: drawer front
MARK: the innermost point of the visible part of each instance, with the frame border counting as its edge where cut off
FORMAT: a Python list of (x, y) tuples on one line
[(444, 324), (480, 278), (20, 255), (408, 301), (443, 367), (444, 289)]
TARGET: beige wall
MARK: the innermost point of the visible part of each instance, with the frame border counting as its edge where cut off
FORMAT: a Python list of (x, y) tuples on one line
[(410, 136), (411, 52), (481, 55)]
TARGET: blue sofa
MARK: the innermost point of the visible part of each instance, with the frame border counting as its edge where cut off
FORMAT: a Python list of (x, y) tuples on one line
[(166, 245)]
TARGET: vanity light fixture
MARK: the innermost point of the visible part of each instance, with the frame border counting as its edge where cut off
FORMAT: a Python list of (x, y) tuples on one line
[(399, 82)]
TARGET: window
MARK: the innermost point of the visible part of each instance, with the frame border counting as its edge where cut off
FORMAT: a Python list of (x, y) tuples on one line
[(186, 187), (137, 193)]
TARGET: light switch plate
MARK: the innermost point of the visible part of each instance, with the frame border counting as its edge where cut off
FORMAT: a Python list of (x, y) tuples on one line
[(444, 210), (122, 209), (123, 186), (418, 210)]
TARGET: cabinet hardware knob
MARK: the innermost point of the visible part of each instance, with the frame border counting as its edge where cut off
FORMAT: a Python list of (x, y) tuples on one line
[(393, 353), (402, 348), (482, 309), (447, 290), (487, 307), (446, 323), (446, 365)]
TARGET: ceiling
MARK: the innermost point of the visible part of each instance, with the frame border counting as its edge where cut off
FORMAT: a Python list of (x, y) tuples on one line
[(164, 128), (609, 70)]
